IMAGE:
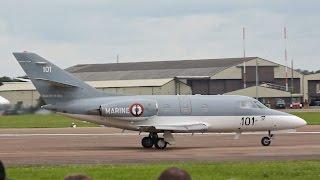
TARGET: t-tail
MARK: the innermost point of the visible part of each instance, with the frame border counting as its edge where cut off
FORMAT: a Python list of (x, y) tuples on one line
[(55, 85)]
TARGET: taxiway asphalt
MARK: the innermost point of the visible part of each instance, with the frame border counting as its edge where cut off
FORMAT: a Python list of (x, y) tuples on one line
[(111, 146)]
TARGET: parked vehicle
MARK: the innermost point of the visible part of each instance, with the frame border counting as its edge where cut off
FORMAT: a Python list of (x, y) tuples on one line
[(280, 104), (296, 105), (315, 103)]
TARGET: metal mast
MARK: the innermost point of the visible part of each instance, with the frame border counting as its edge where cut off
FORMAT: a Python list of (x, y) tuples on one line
[(244, 58), (117, 58), (286, 55)]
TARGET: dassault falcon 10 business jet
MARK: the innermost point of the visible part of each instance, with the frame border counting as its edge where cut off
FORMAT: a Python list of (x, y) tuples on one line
[(155, 114)]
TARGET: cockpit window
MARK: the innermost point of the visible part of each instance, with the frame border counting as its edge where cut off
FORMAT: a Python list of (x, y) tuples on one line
[(247, 105), (260, 105), (252, 104)]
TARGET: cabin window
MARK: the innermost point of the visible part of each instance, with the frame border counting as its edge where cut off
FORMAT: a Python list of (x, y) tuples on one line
[(166, 107), (204, 108)]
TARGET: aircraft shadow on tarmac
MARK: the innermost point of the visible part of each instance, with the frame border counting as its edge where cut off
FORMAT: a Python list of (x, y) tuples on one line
[(126, 148), (130, 148)]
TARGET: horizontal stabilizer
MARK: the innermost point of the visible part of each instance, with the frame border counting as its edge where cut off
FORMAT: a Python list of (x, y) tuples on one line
[(178, 127), (41, 63), (55, 83)]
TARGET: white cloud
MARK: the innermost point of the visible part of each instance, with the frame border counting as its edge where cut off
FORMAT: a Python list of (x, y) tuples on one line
[(73, 32)]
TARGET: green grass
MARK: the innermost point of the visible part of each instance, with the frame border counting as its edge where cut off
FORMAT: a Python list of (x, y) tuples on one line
[(39, 121), (312, 118), (235, 170)]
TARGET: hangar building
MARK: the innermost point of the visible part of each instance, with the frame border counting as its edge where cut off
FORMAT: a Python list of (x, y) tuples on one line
[(203, 76), (206, 76), (312, 87)]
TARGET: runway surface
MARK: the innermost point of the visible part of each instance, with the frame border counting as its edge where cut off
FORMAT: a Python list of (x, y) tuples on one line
[(110, 146)]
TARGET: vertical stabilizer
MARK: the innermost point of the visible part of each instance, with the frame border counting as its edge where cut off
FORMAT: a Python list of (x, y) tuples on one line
[(54, 84)]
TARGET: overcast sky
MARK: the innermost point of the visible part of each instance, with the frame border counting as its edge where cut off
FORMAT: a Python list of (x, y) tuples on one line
[(94, 31)]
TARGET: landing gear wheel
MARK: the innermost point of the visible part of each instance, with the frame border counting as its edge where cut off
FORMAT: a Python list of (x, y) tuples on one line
[(160, 143), (266, 141), (147, 142)]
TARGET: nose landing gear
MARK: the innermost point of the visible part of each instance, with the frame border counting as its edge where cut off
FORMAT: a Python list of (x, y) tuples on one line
[(266, 141), (153, 139)]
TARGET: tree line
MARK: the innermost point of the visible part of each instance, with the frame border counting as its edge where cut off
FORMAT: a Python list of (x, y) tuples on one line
[(307, 72), (9, 79)]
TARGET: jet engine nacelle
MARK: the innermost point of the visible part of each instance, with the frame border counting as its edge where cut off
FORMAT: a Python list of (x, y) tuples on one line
[(130, 109)]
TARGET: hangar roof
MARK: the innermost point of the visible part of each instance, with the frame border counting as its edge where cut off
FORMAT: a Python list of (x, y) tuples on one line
[(17, 86), (130, 83), (315, 76), (262, 92), (154, 70)]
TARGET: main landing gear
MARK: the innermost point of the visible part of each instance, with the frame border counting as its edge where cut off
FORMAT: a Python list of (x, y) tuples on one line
[(266, 141), (154, 140)]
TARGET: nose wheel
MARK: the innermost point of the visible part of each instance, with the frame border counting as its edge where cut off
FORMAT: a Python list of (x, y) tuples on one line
[(154, 140), (266, 141)]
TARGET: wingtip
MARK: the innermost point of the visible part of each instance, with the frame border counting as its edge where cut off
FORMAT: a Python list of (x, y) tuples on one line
[(4, 101)]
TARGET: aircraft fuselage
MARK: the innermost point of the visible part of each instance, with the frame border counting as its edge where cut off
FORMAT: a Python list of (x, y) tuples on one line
[(220, 113)]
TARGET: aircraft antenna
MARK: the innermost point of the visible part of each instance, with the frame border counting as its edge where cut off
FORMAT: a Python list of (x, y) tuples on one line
[(292, 80), (257, 79)]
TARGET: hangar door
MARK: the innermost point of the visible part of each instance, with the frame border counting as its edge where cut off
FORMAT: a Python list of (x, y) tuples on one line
[(185, 105)]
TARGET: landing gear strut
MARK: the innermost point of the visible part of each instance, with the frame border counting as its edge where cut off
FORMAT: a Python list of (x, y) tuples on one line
[(266, 141), (153, 139)]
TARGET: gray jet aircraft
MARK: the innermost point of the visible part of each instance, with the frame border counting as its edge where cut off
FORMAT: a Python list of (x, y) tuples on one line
[(154, 114)]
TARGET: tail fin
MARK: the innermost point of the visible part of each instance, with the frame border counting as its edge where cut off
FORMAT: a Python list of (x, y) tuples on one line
[(54, 84)]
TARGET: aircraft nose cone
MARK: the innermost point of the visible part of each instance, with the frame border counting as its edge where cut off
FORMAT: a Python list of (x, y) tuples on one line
[(299, 122)]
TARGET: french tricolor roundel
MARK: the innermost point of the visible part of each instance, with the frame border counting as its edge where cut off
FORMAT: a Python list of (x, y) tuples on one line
[(136, 109)]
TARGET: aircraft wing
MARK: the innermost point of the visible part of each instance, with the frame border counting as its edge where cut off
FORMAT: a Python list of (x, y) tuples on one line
[(194, 127), (4, 101)]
